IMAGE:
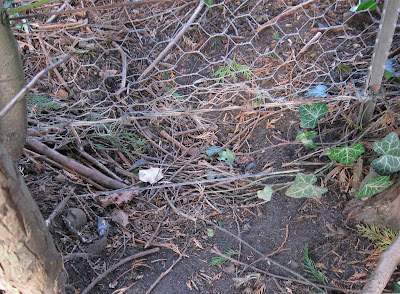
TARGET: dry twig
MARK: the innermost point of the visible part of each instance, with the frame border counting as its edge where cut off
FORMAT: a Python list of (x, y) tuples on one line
[(287, 12)]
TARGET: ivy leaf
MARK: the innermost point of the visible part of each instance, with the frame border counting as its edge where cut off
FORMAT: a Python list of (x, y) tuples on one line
[(306, 138), (364, 5), (344, 68), (227, 156), (318, 92), (265, 194), (374, 186), (396, 287), (311, 113), (390, 161), (346, 155), (303, 187)]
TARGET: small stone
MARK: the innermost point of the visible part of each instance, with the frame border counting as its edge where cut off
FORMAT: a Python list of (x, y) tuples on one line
[(250, 166), (76, 217)]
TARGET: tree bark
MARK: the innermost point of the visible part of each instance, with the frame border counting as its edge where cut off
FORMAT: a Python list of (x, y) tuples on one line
[(29, 261), (381, 210), (13, 125)]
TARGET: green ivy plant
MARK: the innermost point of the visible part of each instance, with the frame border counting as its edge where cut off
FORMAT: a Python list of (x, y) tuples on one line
[(311, 113), (303, 187), (265, 194), (306, 138), (364, 5), (374, 186), (346, 155), (389, 163)]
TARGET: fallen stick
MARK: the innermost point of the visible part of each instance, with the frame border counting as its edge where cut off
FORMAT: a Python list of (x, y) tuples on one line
[(85, 9), (79, 168), (309, 43), (173, 41), (387, 264), (285, 13), (117, 265), (91, 158)]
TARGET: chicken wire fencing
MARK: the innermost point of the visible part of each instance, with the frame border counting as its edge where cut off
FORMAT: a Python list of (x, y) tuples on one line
[(228, 53), (175, 64)]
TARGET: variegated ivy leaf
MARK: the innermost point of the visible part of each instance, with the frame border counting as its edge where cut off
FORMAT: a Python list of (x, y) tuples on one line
[(227, 156), (374, 186), (306, 138), (303, 187), (390, 161), (311, 113), (265, 194), (346, 155)]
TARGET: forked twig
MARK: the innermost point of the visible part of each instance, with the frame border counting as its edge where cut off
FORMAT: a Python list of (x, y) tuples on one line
[(124, 67)]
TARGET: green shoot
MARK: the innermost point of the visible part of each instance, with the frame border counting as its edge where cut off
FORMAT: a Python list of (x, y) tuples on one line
[(38, 103), (311, 269), (231, 70), (381, 238), (217, 260)]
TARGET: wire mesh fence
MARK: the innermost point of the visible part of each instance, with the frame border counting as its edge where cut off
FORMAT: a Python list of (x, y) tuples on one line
[(203, 74), (244, 53)]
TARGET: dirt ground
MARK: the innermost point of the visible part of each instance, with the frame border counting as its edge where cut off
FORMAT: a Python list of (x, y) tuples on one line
[(100, 109)]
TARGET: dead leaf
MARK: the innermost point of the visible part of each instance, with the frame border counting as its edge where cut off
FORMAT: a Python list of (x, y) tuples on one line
[(118, 198), (151, 175), (321, 265), (357, 276), (108, 73), (61, 95), (197, 243), (120, 217), (261, 290), (217, 276)]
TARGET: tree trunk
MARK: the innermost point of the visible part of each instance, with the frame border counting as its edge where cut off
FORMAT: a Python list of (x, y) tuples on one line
[(13, 125), (381, 210), (29, 261)]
